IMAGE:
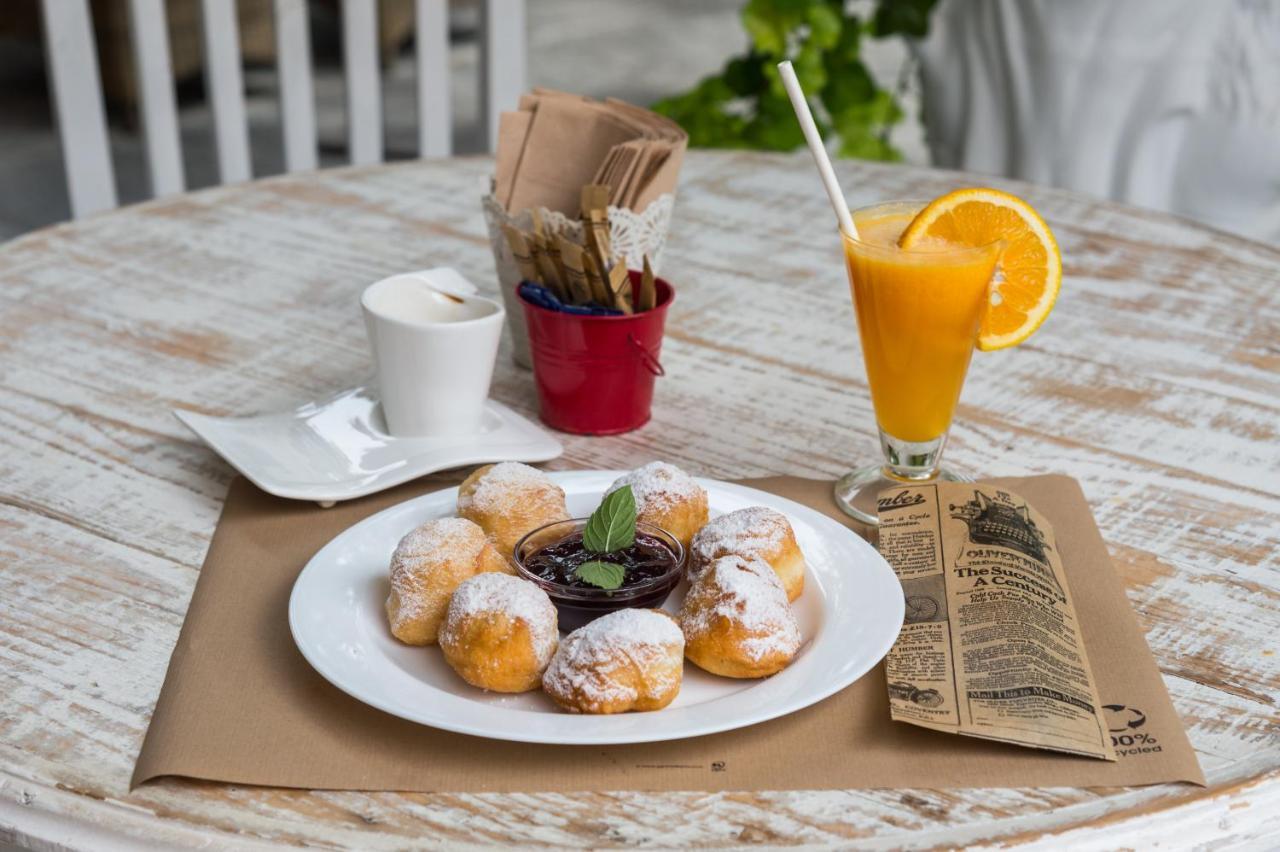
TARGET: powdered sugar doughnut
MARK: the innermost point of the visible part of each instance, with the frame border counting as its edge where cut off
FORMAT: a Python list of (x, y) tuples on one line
[(757, 532), (499, 632), (631, 659), (736, 620), (508, 500), (426, 567), (667, 497)]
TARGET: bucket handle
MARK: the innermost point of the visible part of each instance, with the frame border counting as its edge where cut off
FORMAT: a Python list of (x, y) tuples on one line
[(652, 364)]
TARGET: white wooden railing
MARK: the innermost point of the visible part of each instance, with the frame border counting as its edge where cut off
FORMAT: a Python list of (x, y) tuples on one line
[(78, 100)]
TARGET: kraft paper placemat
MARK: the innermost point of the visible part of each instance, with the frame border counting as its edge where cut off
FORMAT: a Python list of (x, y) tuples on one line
[(241, 705)]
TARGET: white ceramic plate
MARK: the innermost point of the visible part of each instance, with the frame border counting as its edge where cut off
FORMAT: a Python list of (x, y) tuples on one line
[(339, 449), (849, 616)]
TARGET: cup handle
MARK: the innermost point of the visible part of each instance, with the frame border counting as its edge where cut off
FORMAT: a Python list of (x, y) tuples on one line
[(652, 364)]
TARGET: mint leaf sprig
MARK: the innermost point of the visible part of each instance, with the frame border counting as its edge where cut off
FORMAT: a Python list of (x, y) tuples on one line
[(611, 527), (602, 575)]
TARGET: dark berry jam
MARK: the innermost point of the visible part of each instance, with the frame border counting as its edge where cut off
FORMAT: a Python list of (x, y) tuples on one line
[(651, 572), (643, 562)]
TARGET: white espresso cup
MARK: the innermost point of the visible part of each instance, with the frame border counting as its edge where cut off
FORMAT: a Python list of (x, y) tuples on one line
[(434, 342)]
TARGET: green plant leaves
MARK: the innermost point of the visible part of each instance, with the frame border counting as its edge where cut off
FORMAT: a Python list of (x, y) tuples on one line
[(704, 114), (807, 62), (769, 22), (864, 128), (745, 106), (602, 575), (775, 127), (825, 23), (744, 75), (773, 24), (902, 17), (612, 526)]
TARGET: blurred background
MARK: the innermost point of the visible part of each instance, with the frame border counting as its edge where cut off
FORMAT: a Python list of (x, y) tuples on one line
[(1168, 104)]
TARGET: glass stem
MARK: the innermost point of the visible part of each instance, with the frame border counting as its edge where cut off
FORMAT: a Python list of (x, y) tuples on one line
[(911, 461)]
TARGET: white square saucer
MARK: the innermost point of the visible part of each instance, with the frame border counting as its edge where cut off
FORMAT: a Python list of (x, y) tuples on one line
[(339, 449)]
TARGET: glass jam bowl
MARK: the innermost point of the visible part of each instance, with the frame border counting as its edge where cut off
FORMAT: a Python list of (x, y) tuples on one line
[(549, 555)]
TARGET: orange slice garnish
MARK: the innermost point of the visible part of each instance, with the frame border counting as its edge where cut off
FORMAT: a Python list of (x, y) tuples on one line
[(1029, 272)]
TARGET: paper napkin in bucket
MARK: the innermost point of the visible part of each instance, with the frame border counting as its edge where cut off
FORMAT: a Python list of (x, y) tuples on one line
[(554, 145)]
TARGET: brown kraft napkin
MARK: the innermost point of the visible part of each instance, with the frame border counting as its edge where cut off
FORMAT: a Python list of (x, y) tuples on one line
[(566, 142), (556, 142), (240, 704), (513, 127)]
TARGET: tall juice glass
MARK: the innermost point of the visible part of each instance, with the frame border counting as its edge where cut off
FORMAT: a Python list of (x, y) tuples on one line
[(918, 316)]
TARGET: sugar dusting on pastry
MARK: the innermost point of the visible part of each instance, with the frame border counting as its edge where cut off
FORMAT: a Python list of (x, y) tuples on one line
[(617, 659), (502, 485), (509, 500), (426, 565), (441, 537), (746, 532), (658, 486), (747, 593), (756, 532), (517, 599)]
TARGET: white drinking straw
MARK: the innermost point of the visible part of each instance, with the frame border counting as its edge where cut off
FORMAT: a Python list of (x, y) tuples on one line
[(819, 151)]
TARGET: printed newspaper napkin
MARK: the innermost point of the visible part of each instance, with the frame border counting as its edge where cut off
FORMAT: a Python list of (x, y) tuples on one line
[(990, 644), (241, 705)]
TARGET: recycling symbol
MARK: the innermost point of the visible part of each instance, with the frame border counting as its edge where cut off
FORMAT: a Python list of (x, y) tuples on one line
[(1121, 718)]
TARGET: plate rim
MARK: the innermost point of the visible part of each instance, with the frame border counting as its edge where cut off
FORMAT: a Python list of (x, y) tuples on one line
[(755, 717)]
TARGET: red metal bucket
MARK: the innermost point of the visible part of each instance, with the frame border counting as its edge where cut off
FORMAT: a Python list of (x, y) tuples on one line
[(595, 374)]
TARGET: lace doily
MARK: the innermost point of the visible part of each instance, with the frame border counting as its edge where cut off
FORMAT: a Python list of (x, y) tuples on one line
[(632, 235)]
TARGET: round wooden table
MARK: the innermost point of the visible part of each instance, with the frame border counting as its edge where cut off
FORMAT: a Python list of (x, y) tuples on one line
[(1156, 382)]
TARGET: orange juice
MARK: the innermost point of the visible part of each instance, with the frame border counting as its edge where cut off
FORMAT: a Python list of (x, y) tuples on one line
[(918, 316)]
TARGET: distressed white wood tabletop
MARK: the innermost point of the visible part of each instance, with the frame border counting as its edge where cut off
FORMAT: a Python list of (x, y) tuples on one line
[(1156, 382)]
